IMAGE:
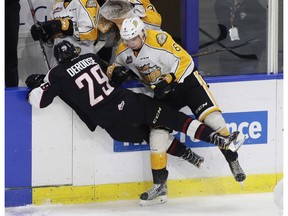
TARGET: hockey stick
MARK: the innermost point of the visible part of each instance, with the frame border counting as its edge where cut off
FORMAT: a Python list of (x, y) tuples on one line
[(222, 36), (40, 41), (224, 48), (249, 56)]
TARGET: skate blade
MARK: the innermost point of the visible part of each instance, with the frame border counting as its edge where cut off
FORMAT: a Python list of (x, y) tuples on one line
[(237, 143), (156, 201)]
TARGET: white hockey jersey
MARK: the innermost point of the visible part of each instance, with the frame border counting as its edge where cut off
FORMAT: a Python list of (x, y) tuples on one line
[(83, 14), (159, 55)]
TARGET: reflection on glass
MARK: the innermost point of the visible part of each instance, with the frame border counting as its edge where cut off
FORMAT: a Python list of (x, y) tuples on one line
[(225, 23)]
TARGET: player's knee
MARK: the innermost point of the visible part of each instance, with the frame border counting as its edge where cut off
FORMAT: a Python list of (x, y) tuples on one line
[(158, 140), (216, 121)]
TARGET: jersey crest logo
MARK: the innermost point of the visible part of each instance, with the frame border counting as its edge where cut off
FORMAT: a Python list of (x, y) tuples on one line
[(149, 74), (91, 4), (161, 38), (129, 60)]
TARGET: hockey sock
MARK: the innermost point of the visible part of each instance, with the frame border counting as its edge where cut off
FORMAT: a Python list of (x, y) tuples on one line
[(177, 148), (159, 176), (203, 133), (158, 165), (200, 131)]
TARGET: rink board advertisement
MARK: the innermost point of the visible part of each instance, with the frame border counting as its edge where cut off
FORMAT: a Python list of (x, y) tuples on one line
[(52, 147), (252, 124)]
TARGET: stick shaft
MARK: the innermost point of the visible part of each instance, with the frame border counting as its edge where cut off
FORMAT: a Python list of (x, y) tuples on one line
[(40, 41), (249, 56), (223, 49)]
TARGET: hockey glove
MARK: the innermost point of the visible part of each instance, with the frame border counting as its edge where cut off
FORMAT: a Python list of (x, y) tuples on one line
[(117, 74), (120, 75), (35, 80), (109, 71), (51, 29), (138, 8), (167, 83)]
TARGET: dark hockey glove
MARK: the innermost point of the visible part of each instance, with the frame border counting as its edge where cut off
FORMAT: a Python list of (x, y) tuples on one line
[(34, 80), (38, 32), (51, 29), (119, 75), (167, 83)]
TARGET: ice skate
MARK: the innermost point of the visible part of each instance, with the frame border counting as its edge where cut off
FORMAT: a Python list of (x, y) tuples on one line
[(237, 171), (156, 195), (193, 158), (232, 142)]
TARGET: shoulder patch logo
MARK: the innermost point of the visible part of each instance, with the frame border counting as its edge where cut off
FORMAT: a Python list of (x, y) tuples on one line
[(161, 38), (129, 60), (91, 4)]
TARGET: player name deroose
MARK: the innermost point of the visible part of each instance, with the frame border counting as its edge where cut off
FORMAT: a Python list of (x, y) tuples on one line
[(79, 66)]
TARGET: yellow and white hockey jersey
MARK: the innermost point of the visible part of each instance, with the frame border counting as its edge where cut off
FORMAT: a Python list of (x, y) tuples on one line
[(153, 18), (83, 14), (159, 55)]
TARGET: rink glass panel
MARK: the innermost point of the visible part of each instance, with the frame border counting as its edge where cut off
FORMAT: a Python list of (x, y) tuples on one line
[(251, 21)]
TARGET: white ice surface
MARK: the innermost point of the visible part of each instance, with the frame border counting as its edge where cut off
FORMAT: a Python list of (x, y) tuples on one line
[(227, 205)]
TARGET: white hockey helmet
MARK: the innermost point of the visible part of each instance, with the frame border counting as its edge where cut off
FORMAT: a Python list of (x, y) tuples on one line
[(131, 28)]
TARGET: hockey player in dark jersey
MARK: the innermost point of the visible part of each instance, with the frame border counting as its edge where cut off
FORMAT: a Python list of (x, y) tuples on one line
[(127, 116)]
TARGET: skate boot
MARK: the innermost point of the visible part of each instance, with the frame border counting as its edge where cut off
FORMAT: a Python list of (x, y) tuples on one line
[(156, 195), (193, 158), (232, 142), (237, 171)]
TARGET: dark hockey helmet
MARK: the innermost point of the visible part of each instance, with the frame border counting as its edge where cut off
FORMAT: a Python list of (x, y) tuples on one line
[(65, 51)]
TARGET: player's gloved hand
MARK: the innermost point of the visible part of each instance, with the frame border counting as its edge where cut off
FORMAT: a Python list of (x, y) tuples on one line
[(117, 74), (167, 83), (66, 26), (120, 75), (110, 70), (37, 32), (35, 80), (46, 30), (138, 8)]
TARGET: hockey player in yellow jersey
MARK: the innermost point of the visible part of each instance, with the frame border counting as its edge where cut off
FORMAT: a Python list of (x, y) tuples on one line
[(129, 8), (164, 66), (72, 20)]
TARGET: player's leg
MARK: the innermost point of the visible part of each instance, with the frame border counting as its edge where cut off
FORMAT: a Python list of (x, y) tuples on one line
[(178, 149), (157, 114), (158, 157), (159, 141), (123, 132), (216, 121), (201, 102)]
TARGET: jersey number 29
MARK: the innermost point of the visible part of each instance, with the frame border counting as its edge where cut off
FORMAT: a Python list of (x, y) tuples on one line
[(97, 74)]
